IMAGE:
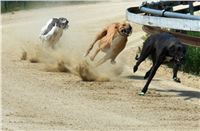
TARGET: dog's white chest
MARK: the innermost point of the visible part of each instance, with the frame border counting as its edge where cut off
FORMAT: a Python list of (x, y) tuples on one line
[(168, 58), (57, 34), (53, 36), (117, 41)]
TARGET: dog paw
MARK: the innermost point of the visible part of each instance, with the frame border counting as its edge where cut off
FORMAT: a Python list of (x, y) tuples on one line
[(113, 62), (176, 79), (146, 76), (85, 55), (24, 56), (135, 68), (141, 93), (91, 58)]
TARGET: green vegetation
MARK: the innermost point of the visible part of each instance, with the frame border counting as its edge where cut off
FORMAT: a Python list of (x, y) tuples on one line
[(9, 6), (192, 62)]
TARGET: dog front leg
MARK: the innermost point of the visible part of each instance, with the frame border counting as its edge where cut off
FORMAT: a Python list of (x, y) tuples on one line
[(153, 56), (113, 59), (24, 55), (113, 62), (175, 71), (152, 73)]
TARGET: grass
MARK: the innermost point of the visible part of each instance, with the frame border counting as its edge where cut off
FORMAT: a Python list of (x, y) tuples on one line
[(192, 62), (9, 6)]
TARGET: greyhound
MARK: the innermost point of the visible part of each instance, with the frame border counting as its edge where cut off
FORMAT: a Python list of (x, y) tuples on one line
[(53, 30), (112, 40), (161, 47)]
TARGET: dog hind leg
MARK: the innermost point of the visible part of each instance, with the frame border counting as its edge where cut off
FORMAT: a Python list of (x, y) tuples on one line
[(144, 54), (153, 56), (96, 52), (158, 62), (98, 37), (146, 51), (148, 73), (104, 59), (113, 57)]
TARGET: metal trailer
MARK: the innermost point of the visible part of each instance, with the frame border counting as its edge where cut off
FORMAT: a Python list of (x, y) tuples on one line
[(167, 16)]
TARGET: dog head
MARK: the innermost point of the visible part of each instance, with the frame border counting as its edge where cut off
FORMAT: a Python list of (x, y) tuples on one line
[(62, 23), (125, 29), (178, 51)]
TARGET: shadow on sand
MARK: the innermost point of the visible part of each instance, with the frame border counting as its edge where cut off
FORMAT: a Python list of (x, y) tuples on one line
[(185, 93), (137, 77)]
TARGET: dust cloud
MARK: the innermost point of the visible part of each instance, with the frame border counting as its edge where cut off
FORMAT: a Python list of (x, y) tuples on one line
[(70, 60)]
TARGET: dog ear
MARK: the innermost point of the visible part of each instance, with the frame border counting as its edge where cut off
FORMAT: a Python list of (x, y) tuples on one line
[(117, 25), (63, 20), (125, 21)]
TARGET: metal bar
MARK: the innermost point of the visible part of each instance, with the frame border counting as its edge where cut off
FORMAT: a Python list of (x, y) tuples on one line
[(135, 15), (186, 39), (168, 14), (152, 11), (158, 5), (185, 10), (191, 8)]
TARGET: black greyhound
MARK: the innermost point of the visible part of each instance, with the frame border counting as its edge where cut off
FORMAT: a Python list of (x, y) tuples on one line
[(161, 47)]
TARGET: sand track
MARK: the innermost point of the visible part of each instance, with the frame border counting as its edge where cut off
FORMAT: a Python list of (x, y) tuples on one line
[(34, 98)]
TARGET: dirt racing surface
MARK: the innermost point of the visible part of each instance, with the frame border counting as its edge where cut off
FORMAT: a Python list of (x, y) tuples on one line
[(37, 96)]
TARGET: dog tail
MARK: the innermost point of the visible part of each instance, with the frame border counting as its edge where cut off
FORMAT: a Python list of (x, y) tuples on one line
[(136, 57), (138, 52), (99, 36)]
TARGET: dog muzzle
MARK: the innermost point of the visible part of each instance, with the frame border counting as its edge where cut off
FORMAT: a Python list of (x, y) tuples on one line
[(125, 32), (179, 60), (63, 22)]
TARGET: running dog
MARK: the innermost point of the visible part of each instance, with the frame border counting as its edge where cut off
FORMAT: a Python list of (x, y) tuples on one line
[(53, 30), (161, 47), (112, 40)]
